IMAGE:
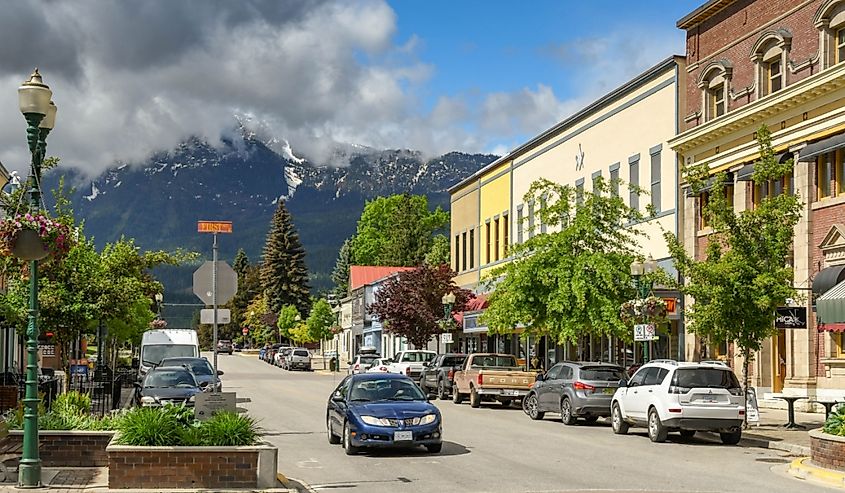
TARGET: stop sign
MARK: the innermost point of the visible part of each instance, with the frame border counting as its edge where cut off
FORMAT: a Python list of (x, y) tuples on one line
[(227, 282), (245, 331)]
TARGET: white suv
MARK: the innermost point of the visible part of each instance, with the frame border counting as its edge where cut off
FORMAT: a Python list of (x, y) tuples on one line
[(665, 396)]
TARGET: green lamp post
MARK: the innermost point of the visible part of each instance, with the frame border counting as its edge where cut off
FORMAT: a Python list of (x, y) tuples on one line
[(642, 286), (40, 114)]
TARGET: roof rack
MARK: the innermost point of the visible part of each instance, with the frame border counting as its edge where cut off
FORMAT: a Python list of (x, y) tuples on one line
[(713, 362), (664, 361)]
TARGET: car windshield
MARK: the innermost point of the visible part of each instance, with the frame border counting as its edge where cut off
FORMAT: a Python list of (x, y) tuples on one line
[(493, 361), (388, 389), (711, 378), (197, 365), (417, 357), (153, 354), (602, 373), (169, 379), (300, 352)]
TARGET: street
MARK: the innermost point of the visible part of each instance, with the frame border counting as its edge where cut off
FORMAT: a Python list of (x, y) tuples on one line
[(492, 449)]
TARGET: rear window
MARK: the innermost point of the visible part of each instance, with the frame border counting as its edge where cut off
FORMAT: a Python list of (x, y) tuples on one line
[(454, 361), (711, 378), (602, 373), (493, 361), (368, 360), (417, 357), (300, 352)]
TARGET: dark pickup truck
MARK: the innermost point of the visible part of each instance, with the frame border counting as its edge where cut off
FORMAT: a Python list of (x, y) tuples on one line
[(437, 375)]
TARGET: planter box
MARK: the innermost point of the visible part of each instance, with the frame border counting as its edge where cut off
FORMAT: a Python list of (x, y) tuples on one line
[(69, 448), (827, 451), (192, 467)]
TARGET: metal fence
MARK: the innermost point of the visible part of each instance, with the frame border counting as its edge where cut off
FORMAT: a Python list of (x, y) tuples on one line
[(103, 385)]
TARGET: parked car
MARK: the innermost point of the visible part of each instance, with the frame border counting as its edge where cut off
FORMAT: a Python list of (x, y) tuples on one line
[(158, 344), (167, 385), (666, 396), (225, 346), (437, 376), (279, 358), (575, 390), (362, 363), (270, 353), (491, 376), (379, 410), (236, 346), (410, 363), (298, 358), (200, 367), (379, 366)]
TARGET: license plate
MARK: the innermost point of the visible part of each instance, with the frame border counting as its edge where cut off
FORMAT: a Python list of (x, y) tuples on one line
[(403, 436), (508, 392), (609, 390)]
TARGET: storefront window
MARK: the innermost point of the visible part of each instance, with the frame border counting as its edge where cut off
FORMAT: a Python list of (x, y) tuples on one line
[(839, 341)]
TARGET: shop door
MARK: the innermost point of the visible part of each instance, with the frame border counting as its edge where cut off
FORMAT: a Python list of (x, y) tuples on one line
[(779, 362)]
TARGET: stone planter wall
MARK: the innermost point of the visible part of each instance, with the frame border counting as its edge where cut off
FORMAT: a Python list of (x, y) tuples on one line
[(827, 450), (69, 448), (192, 467)]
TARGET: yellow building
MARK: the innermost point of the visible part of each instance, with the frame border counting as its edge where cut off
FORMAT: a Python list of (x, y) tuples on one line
[(621, 136)]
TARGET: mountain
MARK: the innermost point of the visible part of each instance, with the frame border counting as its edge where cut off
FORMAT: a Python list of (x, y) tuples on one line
[(158, 202)]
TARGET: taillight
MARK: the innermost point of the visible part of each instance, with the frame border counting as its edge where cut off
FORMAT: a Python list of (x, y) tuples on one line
[(674, 389), (408, 371), (742, 412), (583, 386), (383, 368), (357, 366), (675, 410), (451, 374), (480, 379)]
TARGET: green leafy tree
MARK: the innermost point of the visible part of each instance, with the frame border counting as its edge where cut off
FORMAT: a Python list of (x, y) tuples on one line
[(289, 318), (572, 280), (397, 230), (439, 251), (284, 276), (340, 274), (260, 320), (744, 275), (301, 335), (320, 320), (410, 304)]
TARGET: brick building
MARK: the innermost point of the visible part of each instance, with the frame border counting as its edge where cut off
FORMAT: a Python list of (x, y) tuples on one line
[(778, 63)]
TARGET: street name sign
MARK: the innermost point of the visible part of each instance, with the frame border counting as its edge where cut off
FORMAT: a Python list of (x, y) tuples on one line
[(644, 332), (214, 226), (208, 404), (224, 316), (227, 282)]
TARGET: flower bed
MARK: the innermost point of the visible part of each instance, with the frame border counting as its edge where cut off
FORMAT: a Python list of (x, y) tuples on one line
[(250, 466)]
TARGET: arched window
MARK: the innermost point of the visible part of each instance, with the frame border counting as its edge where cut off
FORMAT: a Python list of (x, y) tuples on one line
[(770, 54), (714, 83), (830, 21)]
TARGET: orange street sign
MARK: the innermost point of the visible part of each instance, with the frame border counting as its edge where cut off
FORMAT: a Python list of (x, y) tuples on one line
[(214, 226)]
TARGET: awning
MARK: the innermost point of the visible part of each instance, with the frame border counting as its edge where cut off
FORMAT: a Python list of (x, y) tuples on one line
[(815, 149), (746, 173), (828, 278), (830, 307), (708, 185)]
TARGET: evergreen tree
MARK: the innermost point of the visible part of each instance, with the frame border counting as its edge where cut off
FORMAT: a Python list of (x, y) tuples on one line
[(241, 262), (340, 274), (284, 276)]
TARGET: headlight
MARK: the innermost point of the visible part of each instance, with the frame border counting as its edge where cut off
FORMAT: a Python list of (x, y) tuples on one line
[(374, 421), (148, 401), (428, 419), (192, 399)]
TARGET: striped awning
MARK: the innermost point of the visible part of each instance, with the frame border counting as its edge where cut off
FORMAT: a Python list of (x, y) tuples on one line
[(830, 307)]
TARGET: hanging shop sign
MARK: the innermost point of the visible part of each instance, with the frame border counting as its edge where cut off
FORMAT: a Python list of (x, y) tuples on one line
[(791, 317)]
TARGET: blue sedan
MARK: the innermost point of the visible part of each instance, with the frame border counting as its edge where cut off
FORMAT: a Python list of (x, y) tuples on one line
[(378, 410)]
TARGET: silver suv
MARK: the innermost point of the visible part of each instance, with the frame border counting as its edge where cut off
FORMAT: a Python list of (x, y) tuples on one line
[(575, 390), (298, 358)]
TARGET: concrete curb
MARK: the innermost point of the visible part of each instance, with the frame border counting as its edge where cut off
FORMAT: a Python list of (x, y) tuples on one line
[(295, 485), (790, 448), (801, 468)]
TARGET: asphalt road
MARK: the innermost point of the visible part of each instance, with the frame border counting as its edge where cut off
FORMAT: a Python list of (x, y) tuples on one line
[(492, 449)]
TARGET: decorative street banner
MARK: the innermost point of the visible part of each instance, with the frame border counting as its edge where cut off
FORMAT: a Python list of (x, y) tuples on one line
[(791, 317), (644, 332)]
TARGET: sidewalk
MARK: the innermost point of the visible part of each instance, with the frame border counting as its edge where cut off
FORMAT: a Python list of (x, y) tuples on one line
[(770, 433)]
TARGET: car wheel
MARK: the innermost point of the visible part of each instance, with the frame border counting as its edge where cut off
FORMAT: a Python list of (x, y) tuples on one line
[(474, 398), (434, 448), (687, 433), (457, 397), (592, 418), (347, 441), (566, 414), (731, 438), (333, 439), (532, 407), (620, 427), (656, 431), (441, 391)]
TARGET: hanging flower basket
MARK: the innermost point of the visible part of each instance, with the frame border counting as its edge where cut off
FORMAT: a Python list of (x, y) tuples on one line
[(158, 324), (34, 237), (643, 311)]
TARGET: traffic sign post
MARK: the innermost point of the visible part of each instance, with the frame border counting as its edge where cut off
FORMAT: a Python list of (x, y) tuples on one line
[(213, 227)]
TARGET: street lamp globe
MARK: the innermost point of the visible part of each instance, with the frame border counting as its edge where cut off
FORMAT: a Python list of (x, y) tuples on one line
[(448, 298), (34, 96), (159, 297), (636, 268), (650, 265), (49, 120)]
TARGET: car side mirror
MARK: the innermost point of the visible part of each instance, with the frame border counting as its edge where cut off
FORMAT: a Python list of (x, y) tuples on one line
[(220, 372), (136, 384), (539, 378), (203, 385), (337, 397), (623, 383)]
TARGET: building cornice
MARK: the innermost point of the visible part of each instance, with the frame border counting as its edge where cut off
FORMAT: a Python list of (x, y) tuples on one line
[(703, 13), (758, 111)]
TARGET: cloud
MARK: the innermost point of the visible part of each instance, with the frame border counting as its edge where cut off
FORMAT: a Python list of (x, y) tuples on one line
[(133, 78)]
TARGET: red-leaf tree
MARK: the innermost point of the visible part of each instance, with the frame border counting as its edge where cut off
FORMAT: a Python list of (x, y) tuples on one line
[(410, 304)]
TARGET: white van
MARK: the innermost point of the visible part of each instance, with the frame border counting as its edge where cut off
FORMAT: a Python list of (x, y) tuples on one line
[(158, 344)]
